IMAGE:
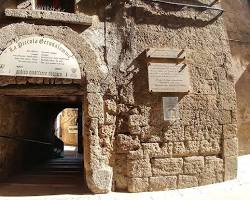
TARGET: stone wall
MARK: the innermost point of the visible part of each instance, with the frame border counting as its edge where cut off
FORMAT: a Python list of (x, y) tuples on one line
[(127, 144), (238, 28), (201, 147)]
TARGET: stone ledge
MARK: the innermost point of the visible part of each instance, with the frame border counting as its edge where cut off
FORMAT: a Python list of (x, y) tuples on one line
[(70, 18)]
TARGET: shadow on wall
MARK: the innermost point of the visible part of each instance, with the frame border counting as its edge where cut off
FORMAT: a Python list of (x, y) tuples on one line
[(243, 103), (149, 105)]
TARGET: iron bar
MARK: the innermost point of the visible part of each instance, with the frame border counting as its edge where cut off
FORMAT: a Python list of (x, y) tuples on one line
[(188, 5), (25, 140)]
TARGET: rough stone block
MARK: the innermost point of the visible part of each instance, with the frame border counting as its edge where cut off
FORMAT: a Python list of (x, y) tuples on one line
[(134, 155), (230, 147), (225, 117), (121, 182), (210, 147), (167, 166), (213, 171), (174, 134), (107, 131), (229, 131), (93, 88), (230, 168), (193, 147), (185, 181), (139, 168), (109, 119), (151, 149), (126, 143), (138, 184), (100, 180), (95, 106), (179, 149), (137, 120), (110, 106), (162, 183), (193, 165)]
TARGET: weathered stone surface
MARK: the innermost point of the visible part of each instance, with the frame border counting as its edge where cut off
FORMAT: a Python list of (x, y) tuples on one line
[(111, 106), (230, 168), (139, 168), (185, 181), (167, 166), (110, 119), (179, 149), (50, 15), (225, 117), (107, 131), (138, 184), (93, 88), (100, 180), (126, 143), (193, 165), (211, 147), (135, 122), (230, 147), (95, 107), (193, 147), (120, 172), (162, 183), (135, 155), (213, 171)]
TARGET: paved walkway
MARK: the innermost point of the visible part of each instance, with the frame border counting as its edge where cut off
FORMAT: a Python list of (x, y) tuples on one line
[(238, 189)]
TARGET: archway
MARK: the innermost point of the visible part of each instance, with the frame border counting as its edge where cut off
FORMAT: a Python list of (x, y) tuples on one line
[(97, 170)]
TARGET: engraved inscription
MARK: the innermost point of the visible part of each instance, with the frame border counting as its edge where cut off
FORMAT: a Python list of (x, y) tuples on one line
[(165, 77)]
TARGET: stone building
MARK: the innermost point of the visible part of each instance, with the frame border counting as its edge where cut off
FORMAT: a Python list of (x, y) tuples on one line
[(238, 28), (154, 80), (68, 128)]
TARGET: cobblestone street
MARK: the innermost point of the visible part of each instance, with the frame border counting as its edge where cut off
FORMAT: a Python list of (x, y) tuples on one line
[(236, 189)]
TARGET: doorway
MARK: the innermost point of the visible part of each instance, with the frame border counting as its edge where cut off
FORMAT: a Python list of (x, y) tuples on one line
[(35, 156)]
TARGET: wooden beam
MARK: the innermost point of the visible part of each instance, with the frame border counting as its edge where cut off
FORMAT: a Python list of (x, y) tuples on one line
[(44, 91)]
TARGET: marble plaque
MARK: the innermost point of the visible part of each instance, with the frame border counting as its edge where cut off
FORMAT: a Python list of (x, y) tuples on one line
[(166, 77), (39, 56), (170, 108), (166, 53)]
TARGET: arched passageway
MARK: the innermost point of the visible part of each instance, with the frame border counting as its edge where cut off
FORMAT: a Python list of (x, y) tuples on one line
[(34, 157)]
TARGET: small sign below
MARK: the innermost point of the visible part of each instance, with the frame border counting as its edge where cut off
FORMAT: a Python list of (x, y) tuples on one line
[(166, 53), (170, 108), (38, 56), (73, 129), (165, 77)]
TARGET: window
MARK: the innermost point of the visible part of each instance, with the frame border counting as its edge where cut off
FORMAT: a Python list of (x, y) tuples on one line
[(56, 5)]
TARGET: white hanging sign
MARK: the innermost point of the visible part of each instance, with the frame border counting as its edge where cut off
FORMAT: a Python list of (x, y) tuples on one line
[(39, 56)]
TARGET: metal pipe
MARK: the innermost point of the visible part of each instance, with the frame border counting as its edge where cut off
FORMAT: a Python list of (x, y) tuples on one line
[(188, 5)]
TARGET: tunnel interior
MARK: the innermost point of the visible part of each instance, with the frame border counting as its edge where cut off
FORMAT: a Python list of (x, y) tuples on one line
[(28, 134)]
